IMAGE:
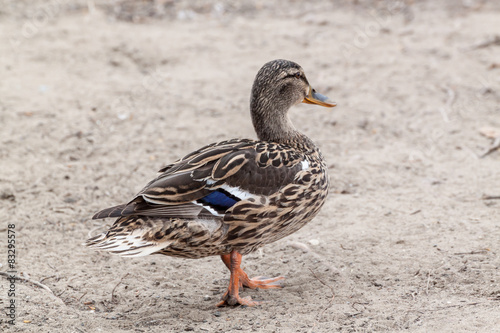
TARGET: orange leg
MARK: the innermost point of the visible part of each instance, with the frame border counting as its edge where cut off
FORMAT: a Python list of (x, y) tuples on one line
[(240, 279)]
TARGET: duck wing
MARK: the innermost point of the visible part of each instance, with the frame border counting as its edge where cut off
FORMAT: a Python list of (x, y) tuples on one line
[(205, 183)]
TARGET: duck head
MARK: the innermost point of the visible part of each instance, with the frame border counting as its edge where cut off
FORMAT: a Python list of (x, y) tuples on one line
[(279, 85)]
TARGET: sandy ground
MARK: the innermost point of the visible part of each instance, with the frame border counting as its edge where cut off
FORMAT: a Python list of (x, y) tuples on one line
[(95, 97)]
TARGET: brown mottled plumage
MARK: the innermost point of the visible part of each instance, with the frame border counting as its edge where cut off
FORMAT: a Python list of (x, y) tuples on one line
[(232, 197)]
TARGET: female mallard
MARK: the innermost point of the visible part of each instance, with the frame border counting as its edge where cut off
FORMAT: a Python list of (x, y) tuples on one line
[(232, 197)]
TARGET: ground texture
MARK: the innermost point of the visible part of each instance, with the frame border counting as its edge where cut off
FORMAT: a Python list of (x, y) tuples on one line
[(96, 96)]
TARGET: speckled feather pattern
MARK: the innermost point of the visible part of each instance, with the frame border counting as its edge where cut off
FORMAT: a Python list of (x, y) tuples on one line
[(286, 198)]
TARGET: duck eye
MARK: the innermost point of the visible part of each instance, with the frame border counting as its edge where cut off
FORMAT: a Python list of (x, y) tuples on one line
[(298, 75)]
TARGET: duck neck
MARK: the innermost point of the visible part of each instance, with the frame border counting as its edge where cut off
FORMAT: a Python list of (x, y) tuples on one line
[(272, 123)]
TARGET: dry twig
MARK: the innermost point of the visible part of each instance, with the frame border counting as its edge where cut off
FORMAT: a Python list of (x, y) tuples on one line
[(85, 293), (471, 252), (490, 197), (326, 285), (429, 274), (492, 148), (495, 40), (113, 291), (300, 246), (47, 277), (38, 284)]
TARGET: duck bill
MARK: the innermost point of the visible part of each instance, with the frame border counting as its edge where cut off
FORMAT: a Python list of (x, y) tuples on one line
[(314, 97)]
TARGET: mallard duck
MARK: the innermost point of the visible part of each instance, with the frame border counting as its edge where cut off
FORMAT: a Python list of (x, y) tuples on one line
[(229, 198)]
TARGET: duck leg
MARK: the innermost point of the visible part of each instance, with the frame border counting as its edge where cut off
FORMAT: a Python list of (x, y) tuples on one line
[(240, 279)]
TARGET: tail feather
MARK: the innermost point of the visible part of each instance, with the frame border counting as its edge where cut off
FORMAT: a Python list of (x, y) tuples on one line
[(139, 207), (115, 211), (132, 242)]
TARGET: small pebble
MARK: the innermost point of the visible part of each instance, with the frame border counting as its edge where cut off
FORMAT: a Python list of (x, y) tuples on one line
[(314, 242)]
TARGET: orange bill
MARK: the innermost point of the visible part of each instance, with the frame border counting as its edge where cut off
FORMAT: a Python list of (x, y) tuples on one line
[(314, 97)]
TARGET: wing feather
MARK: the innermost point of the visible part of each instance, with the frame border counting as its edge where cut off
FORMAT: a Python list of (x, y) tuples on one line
[(245, 165)]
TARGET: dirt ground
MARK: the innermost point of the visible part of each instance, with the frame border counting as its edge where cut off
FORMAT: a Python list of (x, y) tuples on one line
[(96, 96)]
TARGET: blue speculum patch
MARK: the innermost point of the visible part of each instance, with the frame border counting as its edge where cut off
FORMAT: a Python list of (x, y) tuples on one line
[(219, 199)]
